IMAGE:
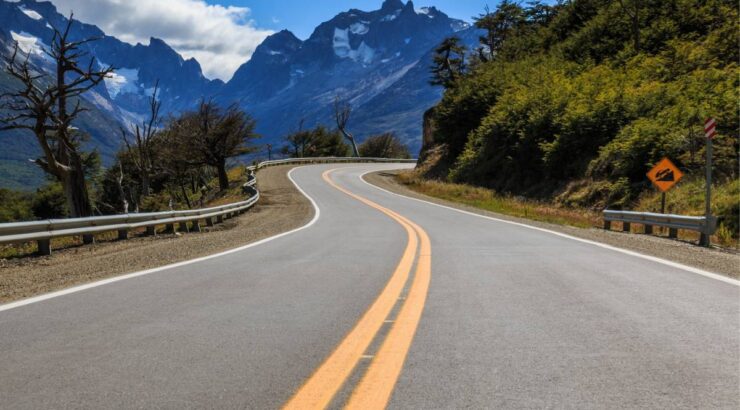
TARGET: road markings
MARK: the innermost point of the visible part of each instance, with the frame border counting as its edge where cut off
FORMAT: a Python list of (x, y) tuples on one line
[(318, 391), (676, 265), (376, 387), (75, 289)]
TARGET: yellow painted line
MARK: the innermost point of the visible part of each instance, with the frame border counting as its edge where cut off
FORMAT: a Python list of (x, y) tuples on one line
[(318, 391), (376, 387)]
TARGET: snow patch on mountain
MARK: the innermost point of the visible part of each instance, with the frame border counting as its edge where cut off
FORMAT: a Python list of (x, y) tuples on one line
[(391, 17), (459, 25), (360, 28), (28, 43), (426, 11), (122, 81), (340, 43), (343, 49), (100, 101), (31, 13), (365, 54)]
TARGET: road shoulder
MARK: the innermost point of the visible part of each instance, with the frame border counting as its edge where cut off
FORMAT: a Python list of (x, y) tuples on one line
[(281, 208), (714, 260)]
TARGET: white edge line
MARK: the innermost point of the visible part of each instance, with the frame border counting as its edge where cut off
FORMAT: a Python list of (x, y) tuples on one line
[(75, 289), (594, 243)]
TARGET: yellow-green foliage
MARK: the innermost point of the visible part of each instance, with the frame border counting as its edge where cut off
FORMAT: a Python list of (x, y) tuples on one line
[(687, 198), (582, 115)]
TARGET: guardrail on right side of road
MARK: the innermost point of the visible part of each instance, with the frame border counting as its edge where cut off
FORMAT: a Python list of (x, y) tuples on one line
[(672, 222)]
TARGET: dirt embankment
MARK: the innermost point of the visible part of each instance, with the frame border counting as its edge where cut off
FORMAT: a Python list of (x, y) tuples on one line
[(281, 208), (726, 262)]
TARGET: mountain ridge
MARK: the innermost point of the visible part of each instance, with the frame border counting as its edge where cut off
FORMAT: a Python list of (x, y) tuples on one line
[(363, 57)]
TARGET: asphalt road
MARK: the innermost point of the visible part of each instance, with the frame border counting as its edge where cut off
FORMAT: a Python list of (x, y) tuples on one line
[(359, 308)]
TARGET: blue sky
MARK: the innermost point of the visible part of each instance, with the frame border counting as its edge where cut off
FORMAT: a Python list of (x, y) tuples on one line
[(302, 16), (223, 34)]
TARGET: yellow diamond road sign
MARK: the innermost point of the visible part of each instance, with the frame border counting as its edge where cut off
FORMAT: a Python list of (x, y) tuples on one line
[(665, 174)]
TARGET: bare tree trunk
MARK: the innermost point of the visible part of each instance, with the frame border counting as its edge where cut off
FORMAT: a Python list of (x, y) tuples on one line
[(223, 177), (121, 192), (185, 196), (355, 152), (75, 191), (145, 184)]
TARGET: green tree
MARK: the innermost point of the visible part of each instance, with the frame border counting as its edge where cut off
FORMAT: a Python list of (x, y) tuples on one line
[(386, 145), (449, 62), (211, 135)]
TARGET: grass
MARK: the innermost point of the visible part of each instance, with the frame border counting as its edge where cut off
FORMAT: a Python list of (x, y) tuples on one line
[(491, 201), (686, 199)]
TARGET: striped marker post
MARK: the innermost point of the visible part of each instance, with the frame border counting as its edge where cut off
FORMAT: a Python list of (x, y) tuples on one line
[(710, 131)]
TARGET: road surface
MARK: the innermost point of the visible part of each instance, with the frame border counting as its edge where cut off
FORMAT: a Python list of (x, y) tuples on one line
[(384, 301)]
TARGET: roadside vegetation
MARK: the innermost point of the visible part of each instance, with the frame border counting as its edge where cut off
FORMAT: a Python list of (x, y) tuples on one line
[(324, 142), (571, 104), (163, 163)]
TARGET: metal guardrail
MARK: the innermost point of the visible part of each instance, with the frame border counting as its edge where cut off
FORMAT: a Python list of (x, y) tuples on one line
[(43, 231), (328, 160), (670, 221)]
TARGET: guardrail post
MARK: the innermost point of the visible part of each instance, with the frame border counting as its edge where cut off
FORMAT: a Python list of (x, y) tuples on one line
[(209, 222), (196, 226), (672, 233), (219, 219), (625, 226), (122, 234), (648, 229), (607, 225), (703, 239), (88, 239), (169, 228), (183, 226), (44, 246), (151, 230)]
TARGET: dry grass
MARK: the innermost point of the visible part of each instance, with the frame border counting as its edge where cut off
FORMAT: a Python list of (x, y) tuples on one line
[(491, 201)]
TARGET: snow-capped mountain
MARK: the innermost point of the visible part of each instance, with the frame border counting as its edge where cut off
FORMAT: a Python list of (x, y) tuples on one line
[(138, 67), (359, 56), (378, 60), (121, 100)]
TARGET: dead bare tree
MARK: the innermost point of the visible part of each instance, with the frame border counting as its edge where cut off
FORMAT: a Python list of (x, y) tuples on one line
[(142, 148), (48, 109), (342, 113)]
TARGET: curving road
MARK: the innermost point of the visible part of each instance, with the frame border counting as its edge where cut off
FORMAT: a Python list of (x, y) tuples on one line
[(382, 301)]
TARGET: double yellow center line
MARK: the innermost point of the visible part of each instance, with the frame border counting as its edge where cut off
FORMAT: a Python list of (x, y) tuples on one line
[(376, 386)]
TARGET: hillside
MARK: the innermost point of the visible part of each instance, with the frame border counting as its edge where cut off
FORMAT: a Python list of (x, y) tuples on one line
[(580, 102)]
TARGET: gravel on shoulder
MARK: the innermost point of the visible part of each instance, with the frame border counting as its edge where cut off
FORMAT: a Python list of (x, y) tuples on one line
[(716, 260), (281, 208)]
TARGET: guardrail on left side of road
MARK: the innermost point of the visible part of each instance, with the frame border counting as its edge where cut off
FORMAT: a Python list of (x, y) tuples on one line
[(187, 220)]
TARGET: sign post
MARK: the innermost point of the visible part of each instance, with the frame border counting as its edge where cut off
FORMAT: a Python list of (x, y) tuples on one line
[(664, 176), (710, 130)]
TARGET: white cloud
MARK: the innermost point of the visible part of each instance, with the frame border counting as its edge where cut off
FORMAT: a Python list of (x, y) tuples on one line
[(220, 38)]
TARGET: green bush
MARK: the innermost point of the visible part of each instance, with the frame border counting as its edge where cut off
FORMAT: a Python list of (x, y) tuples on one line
[(14, 206), (583, 111), (49, 202)]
